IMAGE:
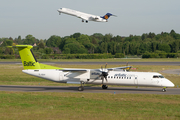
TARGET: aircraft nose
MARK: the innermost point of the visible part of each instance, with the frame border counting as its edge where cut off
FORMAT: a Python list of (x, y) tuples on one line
[(168, 84), (171, 84)]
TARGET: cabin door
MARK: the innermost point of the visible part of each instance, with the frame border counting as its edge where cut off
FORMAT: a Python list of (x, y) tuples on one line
[(61, 74), (136, 80)]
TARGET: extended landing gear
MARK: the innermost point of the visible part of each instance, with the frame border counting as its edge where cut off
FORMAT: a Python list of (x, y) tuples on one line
[(81, 88), (104, 86), (86, 21), (164, 89)]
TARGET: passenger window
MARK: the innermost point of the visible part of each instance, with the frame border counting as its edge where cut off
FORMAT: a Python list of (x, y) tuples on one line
[(135, 77), (108, 76), (129, 77), (111, 76)]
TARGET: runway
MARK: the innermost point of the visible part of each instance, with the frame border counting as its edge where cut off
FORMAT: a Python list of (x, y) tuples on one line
[(103, 63), (113, 90)]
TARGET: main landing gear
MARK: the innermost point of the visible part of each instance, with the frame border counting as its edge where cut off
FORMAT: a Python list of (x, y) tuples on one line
[(81, 88), (104, 86), (86, 21), (164, 89)]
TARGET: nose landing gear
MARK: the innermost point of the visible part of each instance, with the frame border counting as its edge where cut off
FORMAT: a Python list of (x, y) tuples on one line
[(164, 89)]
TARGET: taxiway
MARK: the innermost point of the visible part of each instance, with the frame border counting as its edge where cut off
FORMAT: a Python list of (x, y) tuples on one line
[(113, 90)]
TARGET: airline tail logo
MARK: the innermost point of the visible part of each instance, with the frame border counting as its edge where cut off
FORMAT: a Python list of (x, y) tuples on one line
[(106, 17), (30, 63)]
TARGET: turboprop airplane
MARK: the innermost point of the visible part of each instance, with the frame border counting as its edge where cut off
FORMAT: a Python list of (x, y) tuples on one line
[(84, 16), (104, 76)]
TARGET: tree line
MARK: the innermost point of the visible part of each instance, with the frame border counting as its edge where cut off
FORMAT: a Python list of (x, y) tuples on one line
[(147, 43)]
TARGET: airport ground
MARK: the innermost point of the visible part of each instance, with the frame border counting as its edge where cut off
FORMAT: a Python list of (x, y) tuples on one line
[(86, 105)]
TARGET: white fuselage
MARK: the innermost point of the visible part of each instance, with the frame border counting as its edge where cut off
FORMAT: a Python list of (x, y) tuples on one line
[(114, 77), (81, 15)]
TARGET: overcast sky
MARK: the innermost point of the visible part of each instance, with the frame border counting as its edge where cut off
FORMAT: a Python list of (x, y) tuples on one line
[(41, 19)]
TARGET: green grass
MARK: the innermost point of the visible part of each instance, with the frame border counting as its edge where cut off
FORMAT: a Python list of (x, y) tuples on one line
[(89, 106)]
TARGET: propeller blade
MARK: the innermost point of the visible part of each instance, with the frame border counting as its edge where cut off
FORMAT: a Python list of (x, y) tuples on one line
[(102, 79), (105, 65), (106, 79)]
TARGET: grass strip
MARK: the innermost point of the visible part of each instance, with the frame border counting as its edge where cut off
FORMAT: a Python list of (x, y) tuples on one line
[(42, 105)]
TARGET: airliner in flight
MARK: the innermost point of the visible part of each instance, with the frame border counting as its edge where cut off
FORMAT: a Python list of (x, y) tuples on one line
[(103, 76), (84, 16)]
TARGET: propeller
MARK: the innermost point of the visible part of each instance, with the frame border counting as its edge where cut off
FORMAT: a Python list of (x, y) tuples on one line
[(104, 74)]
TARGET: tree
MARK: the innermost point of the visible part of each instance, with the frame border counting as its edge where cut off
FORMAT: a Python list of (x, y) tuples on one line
[(151, 35), (76, 35), (75, 47), (67, 51), (164, 47), (48, 50), (107, 37), (174, 46), (144, 36), (54, 41), (103, 47), (29, 40), (41, 45), (83, 39), (154, 46)]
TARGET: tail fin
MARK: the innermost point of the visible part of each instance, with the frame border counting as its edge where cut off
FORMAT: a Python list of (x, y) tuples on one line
[(107, 16), (28, 59)]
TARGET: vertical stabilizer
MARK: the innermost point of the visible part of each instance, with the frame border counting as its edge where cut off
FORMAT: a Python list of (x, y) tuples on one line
[(107, 16), (28, 59)]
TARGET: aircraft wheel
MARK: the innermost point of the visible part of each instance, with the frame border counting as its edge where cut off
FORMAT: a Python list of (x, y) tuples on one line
[(104, 86), (164, 90), (81, 88)]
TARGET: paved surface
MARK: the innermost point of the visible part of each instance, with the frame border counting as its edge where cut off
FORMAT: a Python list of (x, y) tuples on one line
[(110, 63), (117, 90), (174, 71)]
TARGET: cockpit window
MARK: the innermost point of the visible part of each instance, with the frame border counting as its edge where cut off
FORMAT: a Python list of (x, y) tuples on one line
[(158, 76), (161, 76), (155, 76)]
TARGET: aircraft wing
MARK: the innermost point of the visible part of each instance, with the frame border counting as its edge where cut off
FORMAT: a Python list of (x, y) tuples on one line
[(84, 17), (127, 68), (75, 70)]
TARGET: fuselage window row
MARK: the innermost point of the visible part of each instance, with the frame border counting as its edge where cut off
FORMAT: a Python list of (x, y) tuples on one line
[(119, 77)]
